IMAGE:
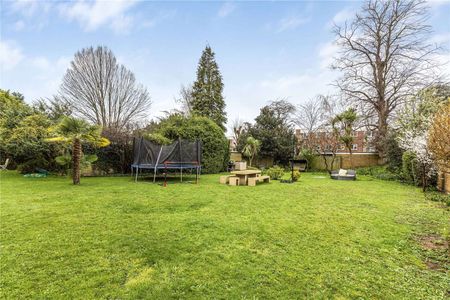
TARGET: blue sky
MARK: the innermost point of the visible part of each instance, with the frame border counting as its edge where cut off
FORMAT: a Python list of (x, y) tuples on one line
[(265, 50)]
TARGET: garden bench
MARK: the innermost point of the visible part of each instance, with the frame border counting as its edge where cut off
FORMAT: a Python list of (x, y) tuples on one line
[(253, 180), (4, 166), (234, 180), (224, 179), (343, 175)]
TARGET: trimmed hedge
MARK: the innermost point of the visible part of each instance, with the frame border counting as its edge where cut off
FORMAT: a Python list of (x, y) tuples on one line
[(215, 154)]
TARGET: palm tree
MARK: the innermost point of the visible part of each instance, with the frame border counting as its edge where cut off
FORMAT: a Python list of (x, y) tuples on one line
[(76, 132), (346, 120), (251, 148)]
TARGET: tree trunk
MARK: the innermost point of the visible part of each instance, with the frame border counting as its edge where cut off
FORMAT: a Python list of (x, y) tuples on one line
[(424, 178), (381, 134), (350, 157), (76, 157)]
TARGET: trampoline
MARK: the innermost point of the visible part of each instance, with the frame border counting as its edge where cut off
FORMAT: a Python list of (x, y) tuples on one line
[(180, 155)]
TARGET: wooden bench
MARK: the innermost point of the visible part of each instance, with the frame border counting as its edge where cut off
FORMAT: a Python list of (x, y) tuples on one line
[(253, 180), (224, 179), (233, 180)]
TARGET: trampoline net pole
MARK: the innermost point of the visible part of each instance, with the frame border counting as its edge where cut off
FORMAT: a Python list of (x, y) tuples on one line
[(156, 165), (137, 172)]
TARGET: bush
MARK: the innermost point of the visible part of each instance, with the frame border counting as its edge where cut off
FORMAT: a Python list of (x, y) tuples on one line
[(215, 153), (410, 170), (379, 172), (309, 155), (25, 144), (438, 197), (31, 165), (393, 152), (296, 176), (275, 173), (157, 138)]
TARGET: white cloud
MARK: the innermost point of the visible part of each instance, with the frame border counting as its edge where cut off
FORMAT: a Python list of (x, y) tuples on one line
[(31, 8), (19, 25), (292, 22), (342, 16), (437, 3), (284, 82), (441, 38), (327, 52), (151, 22), (226, 9), (93, 15), (40, 63), (10, 55)]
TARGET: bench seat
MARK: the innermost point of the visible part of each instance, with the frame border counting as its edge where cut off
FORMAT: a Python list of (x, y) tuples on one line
[(234, 180), (224, 179), (253, 180)]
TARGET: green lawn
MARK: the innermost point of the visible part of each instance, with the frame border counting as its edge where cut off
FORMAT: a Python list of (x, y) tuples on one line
[(318, 238)]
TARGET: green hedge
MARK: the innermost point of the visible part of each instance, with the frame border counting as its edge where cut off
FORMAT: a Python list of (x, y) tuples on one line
[(215, 147)]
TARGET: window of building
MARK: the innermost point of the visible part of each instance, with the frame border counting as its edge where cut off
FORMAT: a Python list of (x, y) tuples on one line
[(355, 147)]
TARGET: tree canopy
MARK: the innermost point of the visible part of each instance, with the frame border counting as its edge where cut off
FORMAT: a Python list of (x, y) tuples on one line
[(99, 89), (273, 128), (215, 152), (207, 99), (385, 57)]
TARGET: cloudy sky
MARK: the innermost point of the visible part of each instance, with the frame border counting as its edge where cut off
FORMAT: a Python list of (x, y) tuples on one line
[(265, 50)]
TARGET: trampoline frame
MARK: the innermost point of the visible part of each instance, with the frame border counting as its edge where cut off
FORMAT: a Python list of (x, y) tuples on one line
[(168, 165)]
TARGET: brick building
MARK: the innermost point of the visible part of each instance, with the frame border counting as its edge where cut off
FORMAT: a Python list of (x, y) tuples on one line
[(363, 141)]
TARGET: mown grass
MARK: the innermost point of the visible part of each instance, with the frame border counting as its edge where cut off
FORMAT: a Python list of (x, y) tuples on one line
[(317, 238)]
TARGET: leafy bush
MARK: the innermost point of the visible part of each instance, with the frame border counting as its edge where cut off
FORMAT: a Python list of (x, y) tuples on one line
[(438, 197), (65, 161), (309, 155), (393, 152), (296, 176), (275, 172), (31, 165), (379, 172), (410, 169), (157, 138), (215, 153), (115, 158)]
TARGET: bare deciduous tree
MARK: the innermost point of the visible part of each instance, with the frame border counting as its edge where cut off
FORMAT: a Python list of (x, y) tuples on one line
[(309, 116), (385, 57), (99, 89), (237, 128), (185, 100)]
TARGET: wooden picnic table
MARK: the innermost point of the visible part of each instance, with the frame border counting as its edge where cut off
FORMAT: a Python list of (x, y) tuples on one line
[(244, 175)]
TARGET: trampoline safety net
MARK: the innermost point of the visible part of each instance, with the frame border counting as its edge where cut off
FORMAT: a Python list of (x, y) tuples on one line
[(181, 154)]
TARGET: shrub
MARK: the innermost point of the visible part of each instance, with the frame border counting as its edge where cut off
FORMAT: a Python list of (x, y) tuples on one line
[(275, 172), (309, 155), (410, 170), (379, 172), (393, 152), (158, 138), (25, 144), (31, 165), (215, 154), (296, 176), (438, 197)]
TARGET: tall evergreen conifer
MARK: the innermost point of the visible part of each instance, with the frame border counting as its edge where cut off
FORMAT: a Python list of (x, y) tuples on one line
[(207, 99)]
